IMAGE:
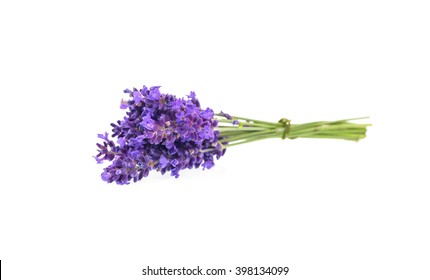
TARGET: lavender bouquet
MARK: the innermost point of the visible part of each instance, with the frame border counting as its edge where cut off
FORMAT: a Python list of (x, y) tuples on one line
[(164, 133)]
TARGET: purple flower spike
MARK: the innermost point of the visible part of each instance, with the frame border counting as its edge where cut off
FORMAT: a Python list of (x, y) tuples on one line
[(137, 96), (207, 133), (147, 122), (227, 116), (163, 161), (207, 114), (159, 132), (121, 142), (208, 164), (99, 161), (103, 136), (154, 93), (192, 95), (124, 104)]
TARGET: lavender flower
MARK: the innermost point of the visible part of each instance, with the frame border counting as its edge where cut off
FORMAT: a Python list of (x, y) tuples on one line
[(159, 132), (168, 134)]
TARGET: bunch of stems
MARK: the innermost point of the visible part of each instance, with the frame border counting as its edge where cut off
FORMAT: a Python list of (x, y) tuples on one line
[(237, 130)]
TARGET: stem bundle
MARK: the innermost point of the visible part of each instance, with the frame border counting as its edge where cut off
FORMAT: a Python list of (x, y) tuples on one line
[(237, 130)]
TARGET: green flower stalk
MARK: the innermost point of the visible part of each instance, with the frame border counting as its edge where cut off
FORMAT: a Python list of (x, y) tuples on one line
[(238, 130)]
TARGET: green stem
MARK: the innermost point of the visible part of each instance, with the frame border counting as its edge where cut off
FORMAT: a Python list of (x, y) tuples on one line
[(246, 124), (231, 128), (242, 136), (245, 119), (248, 140), (250, 130)]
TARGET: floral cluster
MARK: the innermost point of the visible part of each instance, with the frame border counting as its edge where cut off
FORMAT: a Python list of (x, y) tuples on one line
[(159, 132)]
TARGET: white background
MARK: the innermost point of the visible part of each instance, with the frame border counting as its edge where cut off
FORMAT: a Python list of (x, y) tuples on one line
[(327, 209)]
